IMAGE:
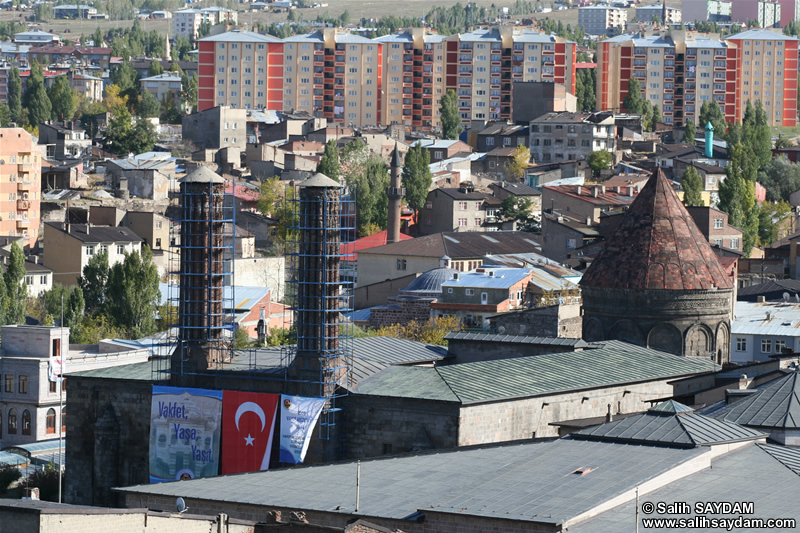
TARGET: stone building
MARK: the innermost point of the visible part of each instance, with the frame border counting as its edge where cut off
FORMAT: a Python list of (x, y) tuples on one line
[(658, 283)]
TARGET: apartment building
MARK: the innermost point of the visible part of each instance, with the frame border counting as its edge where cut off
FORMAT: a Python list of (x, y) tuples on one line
[(646, 13), (571, 136), (602, 20), (20, 183), (482, 66), (679, 70), (706, 10), (395, 79), (78, 56), (162, 85), (186, 22)]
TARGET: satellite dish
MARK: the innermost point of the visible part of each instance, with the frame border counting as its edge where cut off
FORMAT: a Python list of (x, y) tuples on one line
[(797, 298), (181, 506), (785, 296), (501, 329), (485, 324)]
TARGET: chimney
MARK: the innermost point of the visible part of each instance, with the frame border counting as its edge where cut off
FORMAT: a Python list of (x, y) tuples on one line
[(577, 189), (491, 273), (595, 191), (69, 226), (588, 221), (761, 299), (609, 416), (455, 276)]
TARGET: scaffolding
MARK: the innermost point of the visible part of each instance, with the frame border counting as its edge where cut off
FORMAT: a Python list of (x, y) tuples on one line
[(319, 359), (200, 289)]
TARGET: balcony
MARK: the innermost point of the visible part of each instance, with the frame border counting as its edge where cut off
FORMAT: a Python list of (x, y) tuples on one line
[(23, 223), (23, 205), (24, 186)]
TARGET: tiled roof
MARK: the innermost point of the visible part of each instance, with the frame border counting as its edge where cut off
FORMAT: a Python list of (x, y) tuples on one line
[(657, 246), (776, 405)]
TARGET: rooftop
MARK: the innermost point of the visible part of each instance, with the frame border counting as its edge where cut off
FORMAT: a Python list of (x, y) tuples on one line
[(773, 405), (766, 318), (96, 234), (461, 245), (490, 278)]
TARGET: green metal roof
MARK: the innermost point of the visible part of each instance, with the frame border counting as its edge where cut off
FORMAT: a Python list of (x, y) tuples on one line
[(134, 372), (611, 363)]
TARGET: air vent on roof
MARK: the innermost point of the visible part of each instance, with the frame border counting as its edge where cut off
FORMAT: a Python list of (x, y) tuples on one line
[(582, 471)]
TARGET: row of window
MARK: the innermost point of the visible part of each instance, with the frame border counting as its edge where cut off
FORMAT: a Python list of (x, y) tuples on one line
[(90, 249), (766, 345), (27, 423)]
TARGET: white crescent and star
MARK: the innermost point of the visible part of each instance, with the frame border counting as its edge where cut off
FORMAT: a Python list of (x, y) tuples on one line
[(250, 407)]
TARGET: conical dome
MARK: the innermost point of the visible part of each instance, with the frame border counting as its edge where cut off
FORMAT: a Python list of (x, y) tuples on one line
[(657, 246)]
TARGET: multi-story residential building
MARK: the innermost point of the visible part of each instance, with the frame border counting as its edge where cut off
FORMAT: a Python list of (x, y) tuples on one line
[(706, 10), (482, 66), (36, 38), (458, 209), (86, 86), (396, 79), (571, 136), (646, 13), (74, 11), (413, 68), (713, 223), (163, 85), (602, 19), (20, 183), (66, 140), (679, 70), (79, 56), (766, 12), (186, 22), (216, 128)]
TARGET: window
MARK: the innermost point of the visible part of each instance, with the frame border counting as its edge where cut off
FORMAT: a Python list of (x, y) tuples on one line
[(12, 421), (741, 344), (462, 222), (120, 249), (401, 264), (779, 346), (51, 421), (53, 387), (469, 292), (766, 345), (9, 383), (478, 222), (462, 206), (23, 384), (26, 422), (735, 243), (90, 250), (718, 223)]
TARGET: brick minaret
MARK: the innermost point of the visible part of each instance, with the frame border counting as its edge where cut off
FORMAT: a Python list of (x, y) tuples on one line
[(395, 192)]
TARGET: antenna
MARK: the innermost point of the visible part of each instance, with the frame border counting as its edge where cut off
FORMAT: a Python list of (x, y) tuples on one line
[(181, 506)]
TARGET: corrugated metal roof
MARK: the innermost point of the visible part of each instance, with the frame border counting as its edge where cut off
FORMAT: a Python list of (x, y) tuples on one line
[(777, 405), (515, 339), (240, 36), (530, 482), (134, 372), (768, 318), (788, 456), (761, 34), (490, 278), (613, 363)]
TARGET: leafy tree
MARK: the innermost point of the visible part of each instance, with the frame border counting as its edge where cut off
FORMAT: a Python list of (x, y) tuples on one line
[(515, 167), (170, 109), (755, 133), (782, 142), (451, 120), (125, 77), (689, 132), (292, 16), (204, 29), (585, 89), (737, 195), (371, 200), (711, 112), (189, 91), (771, 217), (634, 102), (329, 164), (520, 210), (15, 94), (599, 160), (148, 105), (692, 185), (93, 328), (15, 288), (275, 202), (35, 98), (417, 177), (655, 116), (94, 280), (114, 102), (143, 137), (74, 304), (156, 69), (780, 177), (62, 99), (344, 18), (97, 37), (132, 293), (432, 332), (5, 116)]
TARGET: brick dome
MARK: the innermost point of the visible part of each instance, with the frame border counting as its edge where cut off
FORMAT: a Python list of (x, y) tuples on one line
[(657, 246)]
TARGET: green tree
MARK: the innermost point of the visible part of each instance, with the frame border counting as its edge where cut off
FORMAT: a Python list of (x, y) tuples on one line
[(204, 29), (125, 77), (586, 89), (655, 116), (771, 218), (63, 99), (417, 177), (451, 120), (35, 99), (515, 167), (16, 290), (15, 94), (689, 132), (329, 164), (132, 294), (5, 116), (520, 210), (692, 185), (73, 302), (94, 280), (782, 142), (599, 160), (371, 200), (737, 195), (97, 37), (634, 102), (148, 105), (780, 177), (189, 91), (292, 16), (143, 137), (755, 133), (344, 18), (155, 69), (711, 112)]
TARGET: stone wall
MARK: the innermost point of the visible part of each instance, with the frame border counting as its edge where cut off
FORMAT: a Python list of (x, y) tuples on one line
[(472, 350), (401, 311), (562, 321)]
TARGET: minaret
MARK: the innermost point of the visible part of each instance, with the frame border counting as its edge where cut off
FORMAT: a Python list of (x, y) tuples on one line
[(395, 192), (167, 51)]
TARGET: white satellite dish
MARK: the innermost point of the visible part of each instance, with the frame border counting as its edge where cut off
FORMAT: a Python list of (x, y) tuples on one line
[(501, 329), (785, 296), (181, 506)]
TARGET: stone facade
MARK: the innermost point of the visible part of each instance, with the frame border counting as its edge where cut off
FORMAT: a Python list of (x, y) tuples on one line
[(401, 310), (563, 320)]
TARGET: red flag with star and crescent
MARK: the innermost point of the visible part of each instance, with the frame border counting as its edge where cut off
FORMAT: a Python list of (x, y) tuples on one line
[(248, 420)]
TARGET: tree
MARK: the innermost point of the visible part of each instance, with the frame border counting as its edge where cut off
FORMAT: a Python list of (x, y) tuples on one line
[(73, 304), (515, 167), (431, 332), (371, 200), (417, 177), (142, 137), (634, 102), (132, 294), (780, 177), (755, 133), (329, 164), (155, 68), (782, 142), (585, 89), (189, 91), (520, 210), (710, 112), (15, 94), (737, 195), (97, 37), (692, 185), (770, 221), (35, 98), (599, 160), (451, 120), (125, 77), (655, 116), (292, 16), (689, 132), (62, 99), (94, 280), (5, 116), (204, 29), (16, 290), (148, 105)]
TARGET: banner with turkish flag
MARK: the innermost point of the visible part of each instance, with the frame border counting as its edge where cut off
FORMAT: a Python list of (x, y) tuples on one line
[(248, 420)]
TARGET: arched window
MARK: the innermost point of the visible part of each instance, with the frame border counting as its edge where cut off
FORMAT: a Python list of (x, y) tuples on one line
[(63, 417), (51, 421), (12, 421), (26, 422)]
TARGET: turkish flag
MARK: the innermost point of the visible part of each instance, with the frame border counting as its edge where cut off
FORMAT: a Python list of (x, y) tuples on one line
[(248, 419)]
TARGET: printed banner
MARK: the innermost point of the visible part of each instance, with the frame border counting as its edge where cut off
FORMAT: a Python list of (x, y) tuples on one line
[(55, 368), (184, 433), (248, 421), (298, 418)]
